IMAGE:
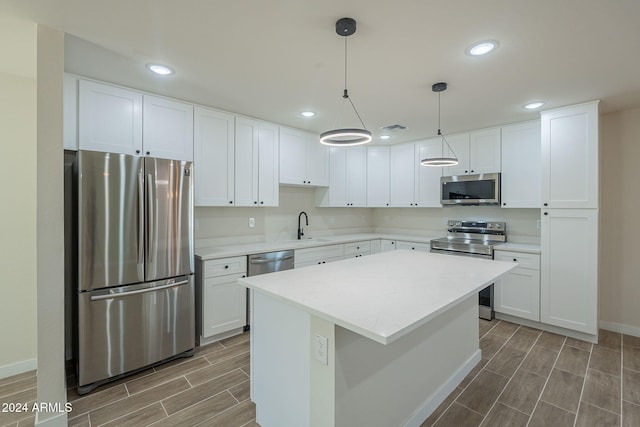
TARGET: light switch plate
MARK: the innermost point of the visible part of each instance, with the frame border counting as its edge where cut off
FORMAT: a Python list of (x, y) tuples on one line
[(252, 222), (320, 350)]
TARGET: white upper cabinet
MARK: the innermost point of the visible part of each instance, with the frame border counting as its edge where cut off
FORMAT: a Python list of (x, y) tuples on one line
[(402, 175), (303, 160), (256, 163), (109, 119), (214, 143), (427, 186), (70, 113), (570, 157), (460, 146), (377, 177), (118, 120), (477, 152), (167, 128), (521, 165), (347, 178)]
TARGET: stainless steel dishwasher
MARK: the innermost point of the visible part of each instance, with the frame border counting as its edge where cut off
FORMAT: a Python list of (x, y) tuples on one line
[(268, 262)]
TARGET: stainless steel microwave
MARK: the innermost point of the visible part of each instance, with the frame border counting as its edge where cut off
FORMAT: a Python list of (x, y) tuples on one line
[(480, 189)]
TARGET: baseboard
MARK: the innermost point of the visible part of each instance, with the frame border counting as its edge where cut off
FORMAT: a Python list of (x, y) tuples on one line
[(202, 341), (445, 390), (620, 328), (18, 368), (549, 328)]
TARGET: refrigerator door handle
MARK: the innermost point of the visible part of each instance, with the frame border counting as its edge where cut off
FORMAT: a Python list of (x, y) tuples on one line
[(140, 219), (150, 214), (139, 291)]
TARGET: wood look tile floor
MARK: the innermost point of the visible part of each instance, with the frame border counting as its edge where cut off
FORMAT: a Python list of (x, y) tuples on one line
[(526, 378)]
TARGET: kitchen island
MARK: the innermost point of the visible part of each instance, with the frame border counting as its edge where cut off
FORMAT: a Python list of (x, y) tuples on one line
[(378, 340)]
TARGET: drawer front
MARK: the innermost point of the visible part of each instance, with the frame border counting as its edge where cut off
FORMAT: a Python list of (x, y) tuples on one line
[(525, 260), (317, 262), (356, 248), (313, 254), (411, 246), (224, 266)]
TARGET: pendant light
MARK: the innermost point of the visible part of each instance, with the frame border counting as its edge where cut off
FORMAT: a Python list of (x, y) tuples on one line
[(440, 161), (347, 136)]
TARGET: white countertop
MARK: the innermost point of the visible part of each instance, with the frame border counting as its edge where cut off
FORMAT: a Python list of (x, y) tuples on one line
[(518, 247), (215, 252), (381, 296)]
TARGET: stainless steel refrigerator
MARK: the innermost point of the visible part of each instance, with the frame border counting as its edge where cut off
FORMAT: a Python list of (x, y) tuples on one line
[(135, 267)]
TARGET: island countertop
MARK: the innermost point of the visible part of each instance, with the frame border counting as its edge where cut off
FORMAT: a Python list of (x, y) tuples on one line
[(382, 296)]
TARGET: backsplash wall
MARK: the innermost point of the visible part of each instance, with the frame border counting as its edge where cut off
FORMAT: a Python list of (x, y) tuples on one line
[(230, 225), (522, 224)]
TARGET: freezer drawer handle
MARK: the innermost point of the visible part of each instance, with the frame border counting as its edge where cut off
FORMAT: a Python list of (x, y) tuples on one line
[(266, 260), (139, 291)]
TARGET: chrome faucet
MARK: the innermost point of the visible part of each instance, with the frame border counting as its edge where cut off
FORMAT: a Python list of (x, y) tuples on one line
[(300, 232)]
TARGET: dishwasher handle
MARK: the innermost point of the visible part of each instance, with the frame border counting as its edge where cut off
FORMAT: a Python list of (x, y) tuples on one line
[(268, 260)]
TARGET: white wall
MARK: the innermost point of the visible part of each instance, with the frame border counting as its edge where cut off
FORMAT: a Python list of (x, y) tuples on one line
[(619, 214), (50, 226), (18, 223)]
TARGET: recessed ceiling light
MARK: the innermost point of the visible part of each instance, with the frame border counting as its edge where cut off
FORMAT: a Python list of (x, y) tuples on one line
[(163, 70), (482, 48), (308, 113), (385, 136), (534, 105)]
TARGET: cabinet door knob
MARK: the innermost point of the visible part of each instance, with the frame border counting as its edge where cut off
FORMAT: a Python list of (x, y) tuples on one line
[(471, 170), (262, 203), (504, 204), (230, 202), (308, 182), (546, 213), (387, 204), (137, 151), (148, 152), (546, 204), (226, 266), (466, 171), (304, 182), (244, 275), (515, 260), (393, 243)]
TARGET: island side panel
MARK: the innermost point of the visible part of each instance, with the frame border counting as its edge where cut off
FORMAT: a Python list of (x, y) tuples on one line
[(400, 384), (322, 376), (279, 363)]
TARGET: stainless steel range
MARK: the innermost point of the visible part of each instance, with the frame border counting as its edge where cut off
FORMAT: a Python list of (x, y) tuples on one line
[(473, 239)]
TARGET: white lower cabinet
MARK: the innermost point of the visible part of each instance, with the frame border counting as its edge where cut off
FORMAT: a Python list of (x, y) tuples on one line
[(569, 269), (317, 255), (387, 245), (357, 249), (518, 292), (412, 246), (221, 303)]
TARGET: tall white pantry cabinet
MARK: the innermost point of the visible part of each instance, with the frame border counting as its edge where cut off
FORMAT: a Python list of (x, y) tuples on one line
[(569, 237)]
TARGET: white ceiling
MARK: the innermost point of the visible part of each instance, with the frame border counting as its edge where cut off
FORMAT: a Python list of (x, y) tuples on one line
[(272, 59)]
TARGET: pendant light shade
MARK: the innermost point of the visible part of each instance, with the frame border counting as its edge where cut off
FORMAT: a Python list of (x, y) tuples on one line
[(347, 136), (443, 160)]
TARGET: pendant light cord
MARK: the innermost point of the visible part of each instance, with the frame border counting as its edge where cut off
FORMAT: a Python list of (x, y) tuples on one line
[(346, 92), (440, 133)]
